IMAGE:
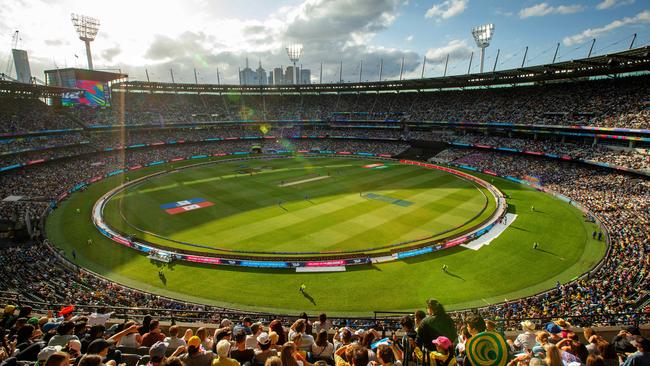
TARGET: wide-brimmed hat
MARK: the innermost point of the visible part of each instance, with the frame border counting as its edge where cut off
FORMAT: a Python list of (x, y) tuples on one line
[(487, 349)]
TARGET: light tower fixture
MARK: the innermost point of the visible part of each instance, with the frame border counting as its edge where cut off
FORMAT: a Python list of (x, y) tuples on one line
[(294, 52), (483, 35), (87, 29)]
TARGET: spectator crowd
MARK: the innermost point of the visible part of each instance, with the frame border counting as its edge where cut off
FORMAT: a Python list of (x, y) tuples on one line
[(431, 338)]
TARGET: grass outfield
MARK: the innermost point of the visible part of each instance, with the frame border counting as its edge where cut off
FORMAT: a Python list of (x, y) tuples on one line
[(506, 269), (301, 206)]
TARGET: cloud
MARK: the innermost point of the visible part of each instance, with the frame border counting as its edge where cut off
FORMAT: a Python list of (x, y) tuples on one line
[(542, 9), (606, 4), (110, 53), (641, 18), (456, 49), (53, 42), (447, 9), (409, 38), (331, 31), (317, 20), (187, 34)]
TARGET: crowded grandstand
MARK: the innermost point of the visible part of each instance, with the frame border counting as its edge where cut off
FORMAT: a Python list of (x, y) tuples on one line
[(535, 180)]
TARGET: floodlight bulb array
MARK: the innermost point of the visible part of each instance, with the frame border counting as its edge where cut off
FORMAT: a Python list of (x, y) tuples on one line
[(483, 34), (87, 27), (294, 52)]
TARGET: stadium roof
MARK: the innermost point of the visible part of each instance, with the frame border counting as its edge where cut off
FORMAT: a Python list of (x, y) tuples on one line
[(16, 89), (633, 60), (85, 74)]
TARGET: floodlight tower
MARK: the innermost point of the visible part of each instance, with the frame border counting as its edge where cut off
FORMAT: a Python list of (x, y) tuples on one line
[(87, 29), (294, 52), (483, 35)]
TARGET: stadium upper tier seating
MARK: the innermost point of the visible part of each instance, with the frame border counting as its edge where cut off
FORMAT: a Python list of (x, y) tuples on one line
[(619, 102)]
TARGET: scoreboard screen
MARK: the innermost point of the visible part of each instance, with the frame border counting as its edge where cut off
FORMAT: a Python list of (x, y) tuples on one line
[(89, 88), (95, 94)]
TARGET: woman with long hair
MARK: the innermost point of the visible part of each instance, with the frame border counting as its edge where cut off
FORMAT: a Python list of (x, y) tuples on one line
[(276, 326), (291, 357), (553, 356), (286, 355)]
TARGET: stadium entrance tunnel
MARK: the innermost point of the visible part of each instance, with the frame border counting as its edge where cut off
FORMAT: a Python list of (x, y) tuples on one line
[(162, 245)]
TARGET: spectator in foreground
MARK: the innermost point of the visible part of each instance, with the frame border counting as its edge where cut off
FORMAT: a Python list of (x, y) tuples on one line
[(64, 334), (256, 330), (437, 323), (245, 356), (58, 359), (196, 356), (322, 349), (265, 350), (276, 326), (444, 353), (223, 351), (173, 341), (273, 361), (526, 340), (154, 335), (322, 323), (90, 360), (407, 343), (157, 354), (642, 356), (291, 357)]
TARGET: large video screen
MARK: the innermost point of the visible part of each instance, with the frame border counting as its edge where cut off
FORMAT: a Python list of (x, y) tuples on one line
[(95, 94)]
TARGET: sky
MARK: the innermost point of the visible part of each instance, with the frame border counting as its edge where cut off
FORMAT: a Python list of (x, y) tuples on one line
[(187, 35)]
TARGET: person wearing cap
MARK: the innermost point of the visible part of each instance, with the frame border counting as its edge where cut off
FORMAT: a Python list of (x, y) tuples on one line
[(642, 356), (196, 355), (8, 317), (437, 323), (223, 353), (554, 331), (526, 340), (246, 324), (264, 349), (256, 330), (64, 334), (244, 355), (157, 354), (443, 355)]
